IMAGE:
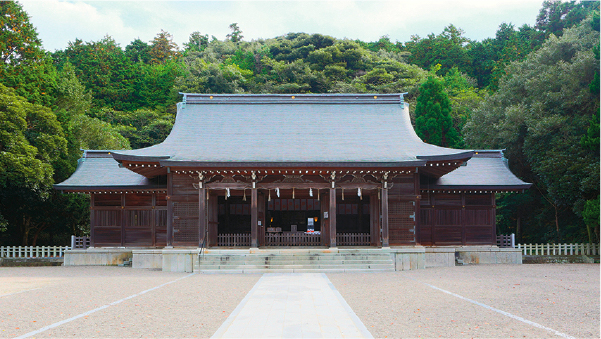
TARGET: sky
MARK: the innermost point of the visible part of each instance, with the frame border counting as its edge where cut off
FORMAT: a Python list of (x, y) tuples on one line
[(59, 22)]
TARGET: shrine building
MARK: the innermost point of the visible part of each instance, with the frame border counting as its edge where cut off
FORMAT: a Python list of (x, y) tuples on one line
[(279, 171)]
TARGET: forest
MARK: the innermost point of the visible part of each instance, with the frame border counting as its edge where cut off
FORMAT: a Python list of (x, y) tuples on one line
[(531, 90)]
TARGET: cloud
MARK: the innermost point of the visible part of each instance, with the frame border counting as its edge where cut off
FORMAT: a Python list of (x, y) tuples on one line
[(59, 21)]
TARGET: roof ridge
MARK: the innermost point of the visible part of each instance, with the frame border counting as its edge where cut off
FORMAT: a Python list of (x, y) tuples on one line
[(327, 98)]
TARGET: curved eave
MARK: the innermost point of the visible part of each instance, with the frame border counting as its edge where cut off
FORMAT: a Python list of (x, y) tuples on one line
[(477, 188), (333, 165), (109, 188), (139, 158), (448, 157)]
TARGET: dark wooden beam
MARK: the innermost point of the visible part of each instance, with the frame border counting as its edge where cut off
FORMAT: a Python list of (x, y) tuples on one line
[(254, 231), (332, 217), (384, 209), (202, 216), (169, 210)]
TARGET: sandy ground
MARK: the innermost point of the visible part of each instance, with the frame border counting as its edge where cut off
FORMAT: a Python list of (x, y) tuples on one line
[(564, 298), (144, 304), (194, 306)]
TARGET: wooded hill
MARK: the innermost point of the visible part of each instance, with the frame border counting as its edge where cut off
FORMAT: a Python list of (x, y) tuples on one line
[(533, 91)]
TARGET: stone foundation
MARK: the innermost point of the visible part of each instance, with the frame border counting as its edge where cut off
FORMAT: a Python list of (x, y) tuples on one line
[(97, 256), (184, 260)]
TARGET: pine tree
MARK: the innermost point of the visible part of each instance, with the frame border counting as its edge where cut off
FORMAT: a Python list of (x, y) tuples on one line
[(433, 122)]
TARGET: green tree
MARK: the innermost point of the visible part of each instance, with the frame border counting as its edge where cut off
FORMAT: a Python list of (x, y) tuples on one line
[(104, 69), (31, 139), (236, 35), (163, 49), (539, 114), (25, 65), (197, 42), (433, 122), (449, 49), (138, 51)]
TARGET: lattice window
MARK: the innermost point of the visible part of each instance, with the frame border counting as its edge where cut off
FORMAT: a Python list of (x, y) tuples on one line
[(185, 230), (401, 222), (185, 209)]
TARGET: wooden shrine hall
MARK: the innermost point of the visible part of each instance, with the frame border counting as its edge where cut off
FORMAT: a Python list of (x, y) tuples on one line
[(324, 170)]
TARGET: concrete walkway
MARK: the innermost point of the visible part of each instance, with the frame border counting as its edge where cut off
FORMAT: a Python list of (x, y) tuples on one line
[(293, 305)]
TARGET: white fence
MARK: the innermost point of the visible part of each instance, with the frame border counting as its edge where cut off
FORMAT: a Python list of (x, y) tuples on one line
[(32, 251), (559, 249)]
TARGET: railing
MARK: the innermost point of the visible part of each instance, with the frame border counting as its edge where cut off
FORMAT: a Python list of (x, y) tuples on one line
[(292, 239), (559, 249), (353, 239), (233, 240), (80, 242), (506, 240), (33, 251)]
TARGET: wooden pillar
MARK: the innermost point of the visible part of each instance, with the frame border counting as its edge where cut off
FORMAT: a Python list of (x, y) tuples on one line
[(384, 209), (254, 230), (261, 219), (374, 216), (325, 223), (124, 218), (213, 217), (332, 216), (202, 216), (169, 209), (92, 221)]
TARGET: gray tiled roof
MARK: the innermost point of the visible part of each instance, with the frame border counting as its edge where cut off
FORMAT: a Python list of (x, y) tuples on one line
[(486, 170), (98, 170), (281, 129)]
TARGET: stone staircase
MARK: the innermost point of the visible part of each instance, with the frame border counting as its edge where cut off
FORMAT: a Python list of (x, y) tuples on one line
[(293, 261)]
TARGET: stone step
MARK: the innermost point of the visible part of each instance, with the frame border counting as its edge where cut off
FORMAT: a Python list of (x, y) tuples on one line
[(299, 260), (296, 256), (309, 270), (297, 266)]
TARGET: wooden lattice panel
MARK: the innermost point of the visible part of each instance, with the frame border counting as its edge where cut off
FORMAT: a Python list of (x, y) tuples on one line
[(185, 231), (401, 223), (107, 218), (185, 223), (185, 209)]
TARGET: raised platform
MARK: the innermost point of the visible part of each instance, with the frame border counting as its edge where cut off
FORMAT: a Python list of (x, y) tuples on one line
[(260, 260)]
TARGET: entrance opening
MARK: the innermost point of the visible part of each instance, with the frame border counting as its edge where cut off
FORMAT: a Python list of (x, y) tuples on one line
[(234, 215), (352, 215), (293, 215)]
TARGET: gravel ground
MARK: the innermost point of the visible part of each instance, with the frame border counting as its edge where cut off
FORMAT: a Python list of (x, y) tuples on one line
[(194, 306), (564, 298)]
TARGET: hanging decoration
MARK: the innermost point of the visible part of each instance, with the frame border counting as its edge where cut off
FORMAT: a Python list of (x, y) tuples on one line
[(310, 192), (359, 193), (343, 194), (277, 191), (269, 195), (318, 194), (292, 192), (244, 197), (227, 193)]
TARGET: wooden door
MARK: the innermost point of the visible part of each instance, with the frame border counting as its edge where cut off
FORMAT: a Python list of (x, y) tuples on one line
[(401, 221)]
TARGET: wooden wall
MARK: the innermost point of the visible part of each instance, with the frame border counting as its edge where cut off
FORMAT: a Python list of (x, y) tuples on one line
[(184, 200), (402, 210), (128, 219), (457, 219)]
